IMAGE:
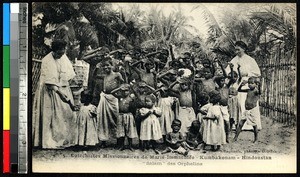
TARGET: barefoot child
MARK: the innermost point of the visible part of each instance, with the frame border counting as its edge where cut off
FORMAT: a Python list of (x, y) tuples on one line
[(186, 113), (194, 137), (250, 115), (233, 104), (108, 110), (87, 125), (140, 91), (150, 128), (166, 104), (214, 133), (175, 140), (125, 123)]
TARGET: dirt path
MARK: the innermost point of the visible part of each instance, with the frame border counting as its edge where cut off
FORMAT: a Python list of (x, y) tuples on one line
[(274, 138)]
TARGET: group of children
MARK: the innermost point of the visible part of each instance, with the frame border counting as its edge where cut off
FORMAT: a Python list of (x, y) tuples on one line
[(156, 98)]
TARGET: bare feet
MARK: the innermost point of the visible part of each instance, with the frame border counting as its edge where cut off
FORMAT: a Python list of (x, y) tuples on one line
[(235, 138), (186, 153)]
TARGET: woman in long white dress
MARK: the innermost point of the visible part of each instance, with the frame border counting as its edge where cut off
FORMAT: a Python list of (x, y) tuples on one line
[(248, 68), (54, 122)]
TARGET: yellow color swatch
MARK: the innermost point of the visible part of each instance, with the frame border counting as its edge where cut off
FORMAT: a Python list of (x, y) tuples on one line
[(6, 108)]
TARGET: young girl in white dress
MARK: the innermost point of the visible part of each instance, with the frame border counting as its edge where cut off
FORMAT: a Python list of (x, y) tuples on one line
[(150, 127), (214, 132), (87, 125)]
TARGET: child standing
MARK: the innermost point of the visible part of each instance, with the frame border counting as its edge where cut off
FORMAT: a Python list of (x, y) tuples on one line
[(150, 128), (204, 106), (233, 104), (165, 103), (251, 114), (87, 125), (108, 110), (126, 126), (186, 113), (214, 133), (207, 83), (175, 140)]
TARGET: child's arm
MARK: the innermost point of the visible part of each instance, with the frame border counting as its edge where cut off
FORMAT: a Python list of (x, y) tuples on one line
[(174, 93), (188, 139), (135, 63), (149, 87), (168, 139), (173, 84), (202, 112), (239, 73), (181, 138), (258, 88), (240, 87), (171, 52), (144, 113), (223, 70), (157, 112), (116, 90)]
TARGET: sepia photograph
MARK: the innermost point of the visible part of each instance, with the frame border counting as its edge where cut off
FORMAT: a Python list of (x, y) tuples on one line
[(164, 87)]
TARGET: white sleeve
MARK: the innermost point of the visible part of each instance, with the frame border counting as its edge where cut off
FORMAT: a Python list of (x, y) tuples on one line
[(254, 71)]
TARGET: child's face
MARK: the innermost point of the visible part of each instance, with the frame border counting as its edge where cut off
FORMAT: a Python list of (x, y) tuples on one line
[(222, 82), (184, 86), (142, 89), (251, 84), (148, 102), (107, 67), (149, 66), (176, 128), (186, 61), (172, 77), (207, 74), (126, 93), (196, 126), (205, 64)]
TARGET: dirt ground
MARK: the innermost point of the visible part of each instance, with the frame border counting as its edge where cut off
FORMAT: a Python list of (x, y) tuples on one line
[(273, 138)]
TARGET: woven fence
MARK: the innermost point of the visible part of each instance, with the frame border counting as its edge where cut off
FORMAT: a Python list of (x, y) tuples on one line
[(278, 99), (36, 71)]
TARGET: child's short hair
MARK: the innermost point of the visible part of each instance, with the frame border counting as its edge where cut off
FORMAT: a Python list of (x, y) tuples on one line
[(206, 61), (206, 70), (219, 78), (203, 97), (187, 53), (125, 87), (196, 122), (176, 122), (108, 60), (214, 97), (87, 95), (174, 63), (151, 97)]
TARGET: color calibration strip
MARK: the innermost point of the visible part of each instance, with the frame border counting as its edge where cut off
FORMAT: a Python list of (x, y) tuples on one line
[(6, 88), (23, 89)]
